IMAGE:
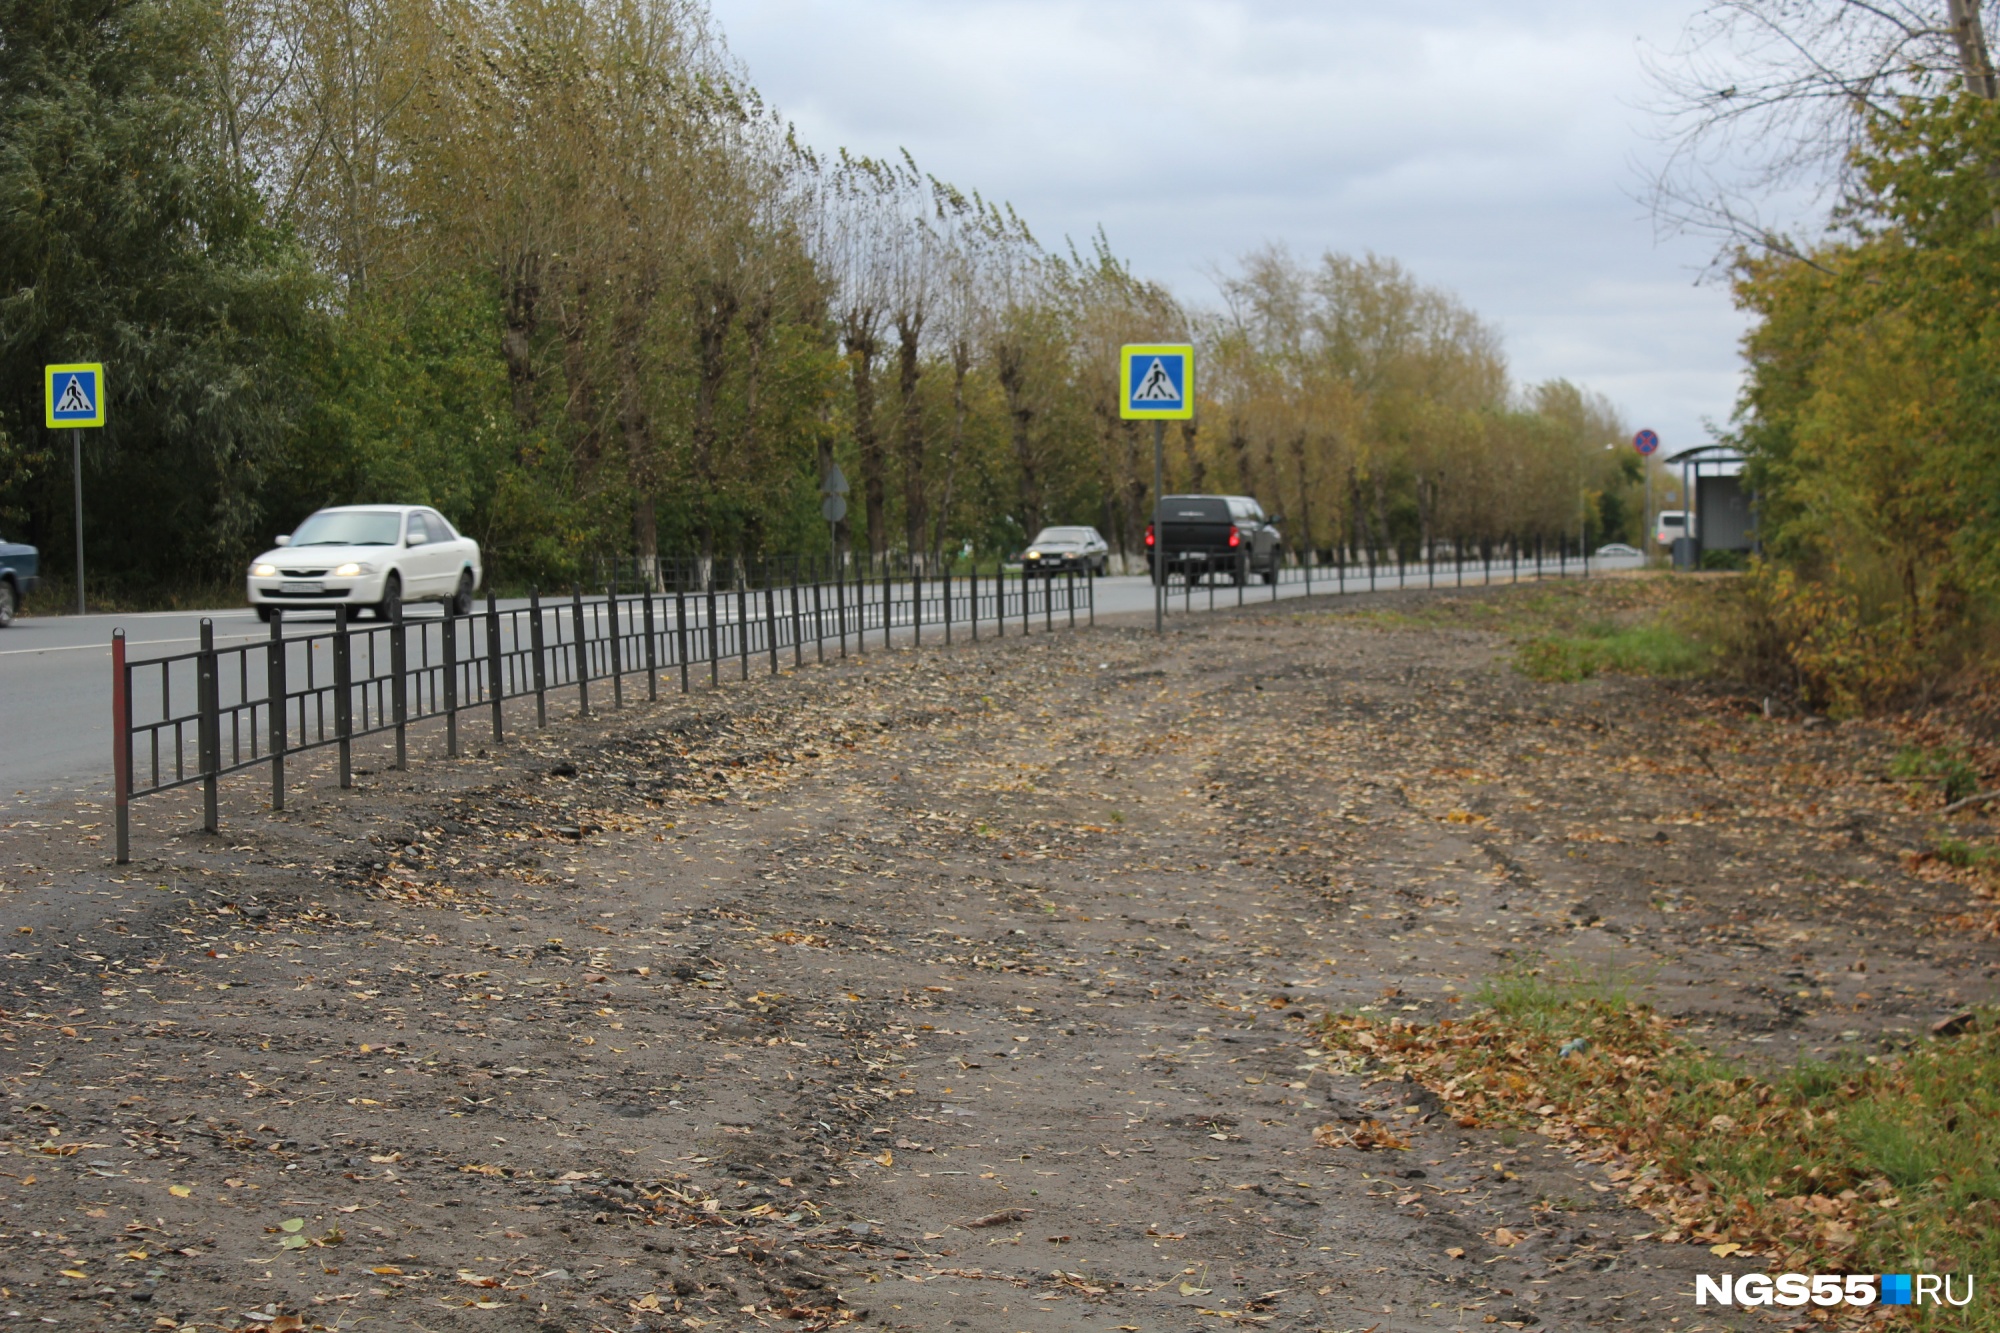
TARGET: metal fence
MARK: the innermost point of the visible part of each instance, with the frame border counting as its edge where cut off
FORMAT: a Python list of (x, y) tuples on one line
[(197, 717)]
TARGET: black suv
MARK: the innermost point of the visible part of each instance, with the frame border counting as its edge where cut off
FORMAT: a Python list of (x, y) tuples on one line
[(1224, 535)]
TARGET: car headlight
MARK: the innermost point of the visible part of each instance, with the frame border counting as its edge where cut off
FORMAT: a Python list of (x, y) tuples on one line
[(1034, 555), (264, 571), (351, 569)]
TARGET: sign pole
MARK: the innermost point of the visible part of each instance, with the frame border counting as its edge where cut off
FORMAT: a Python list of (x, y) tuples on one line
[(1156, 384), (1159, 528), (76, 466), (73, 397)]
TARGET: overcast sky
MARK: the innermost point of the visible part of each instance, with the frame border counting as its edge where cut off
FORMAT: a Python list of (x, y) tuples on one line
[(1494, 148)]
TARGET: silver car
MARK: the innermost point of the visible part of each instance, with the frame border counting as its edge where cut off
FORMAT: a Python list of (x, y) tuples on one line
[(1062, 550), (368, 556)]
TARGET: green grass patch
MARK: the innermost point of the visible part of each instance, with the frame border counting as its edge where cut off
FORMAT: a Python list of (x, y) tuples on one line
[(1860, 1164), (1946, 765), (1601, 649), (1653, 625)]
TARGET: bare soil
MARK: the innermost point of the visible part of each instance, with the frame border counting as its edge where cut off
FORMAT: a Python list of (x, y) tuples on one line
[(960, 988)]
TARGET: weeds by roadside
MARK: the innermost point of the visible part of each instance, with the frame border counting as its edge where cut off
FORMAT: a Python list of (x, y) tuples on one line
[(1870, 1164), (1649, 625)]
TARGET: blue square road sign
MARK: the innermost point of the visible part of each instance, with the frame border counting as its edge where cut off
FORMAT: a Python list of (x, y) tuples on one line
[(73, 395), (1156, 382)]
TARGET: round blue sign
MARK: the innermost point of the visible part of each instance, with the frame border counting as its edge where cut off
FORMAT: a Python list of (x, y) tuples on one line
[(1646, 442)]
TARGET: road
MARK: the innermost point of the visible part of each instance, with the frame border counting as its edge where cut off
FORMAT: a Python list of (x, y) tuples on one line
[(55, 670)]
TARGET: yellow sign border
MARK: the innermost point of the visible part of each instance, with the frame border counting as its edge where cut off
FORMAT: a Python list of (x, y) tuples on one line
[(49, 374), (1126, 355)]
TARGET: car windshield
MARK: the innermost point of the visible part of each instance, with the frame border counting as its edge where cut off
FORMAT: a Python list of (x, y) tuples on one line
[(1055, 536), (350, 527)]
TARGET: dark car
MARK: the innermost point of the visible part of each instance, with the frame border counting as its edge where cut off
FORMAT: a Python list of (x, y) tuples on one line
[(1066, 550), (20, 574), (1228, 536)]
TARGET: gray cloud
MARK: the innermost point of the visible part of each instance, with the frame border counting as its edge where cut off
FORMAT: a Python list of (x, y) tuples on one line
[(1490, 147)]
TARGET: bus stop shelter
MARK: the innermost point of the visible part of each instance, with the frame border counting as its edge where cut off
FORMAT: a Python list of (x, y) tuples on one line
[(1724, 511)]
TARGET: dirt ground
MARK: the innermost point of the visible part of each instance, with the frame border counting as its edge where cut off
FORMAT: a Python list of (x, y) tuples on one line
[(951, 989)]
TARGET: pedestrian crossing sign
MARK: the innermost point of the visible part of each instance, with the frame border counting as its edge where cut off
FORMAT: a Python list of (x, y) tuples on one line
[(1158, 382), (74, 395)]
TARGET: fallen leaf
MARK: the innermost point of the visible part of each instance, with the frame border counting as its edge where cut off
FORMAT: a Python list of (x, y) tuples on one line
[(179, 1191), (387, 1270), (1502, 1236), (292, 1224), (999, 1219), (1190, 1289), (78, 1274), (1724, 1250), (886, 1158)]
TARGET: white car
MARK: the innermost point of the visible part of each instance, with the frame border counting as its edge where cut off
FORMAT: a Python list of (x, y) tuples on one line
[(367, 556)]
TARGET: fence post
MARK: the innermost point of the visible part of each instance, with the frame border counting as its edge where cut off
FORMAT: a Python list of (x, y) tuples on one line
[(1069, 595), (1048, 603), (681, 631), (121, 745), (945, 583), (1027, 602), (208, 725), (714, 639), (617, 657), (1090, 593), (888, 602), (274, 691), (771, 622), (840, 607), (496, 679), (536, 646), (743, 629), (798, 627), (860, 609), (972, 600), (652, 651), (819, 619), (1277, 573), (343, 695), (399, 685), (581, 650), (450, 684)]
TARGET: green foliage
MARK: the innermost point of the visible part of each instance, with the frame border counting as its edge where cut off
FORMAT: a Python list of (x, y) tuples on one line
[(1872, 420), (1946, 765), (126, 238)]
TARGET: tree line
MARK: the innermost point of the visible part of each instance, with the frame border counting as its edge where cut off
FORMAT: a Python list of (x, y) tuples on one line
[(1869, 415), (554, 267)]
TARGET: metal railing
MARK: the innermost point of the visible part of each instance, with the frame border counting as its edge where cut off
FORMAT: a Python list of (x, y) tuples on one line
[(194, 718)]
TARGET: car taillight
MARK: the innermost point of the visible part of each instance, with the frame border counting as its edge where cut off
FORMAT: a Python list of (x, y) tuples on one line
[(1149, 534), (1235, 536)]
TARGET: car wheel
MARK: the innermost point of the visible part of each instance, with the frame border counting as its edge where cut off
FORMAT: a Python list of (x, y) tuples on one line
[(8, 602), (392, 593), (461, 601), (263, 613)]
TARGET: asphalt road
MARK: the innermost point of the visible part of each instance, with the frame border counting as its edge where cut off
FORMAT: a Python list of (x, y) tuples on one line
[(55, 670)]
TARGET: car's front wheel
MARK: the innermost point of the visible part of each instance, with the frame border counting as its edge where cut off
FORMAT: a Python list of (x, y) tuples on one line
[(263, 612), (392, 593), (461, 601), (9, 601)]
